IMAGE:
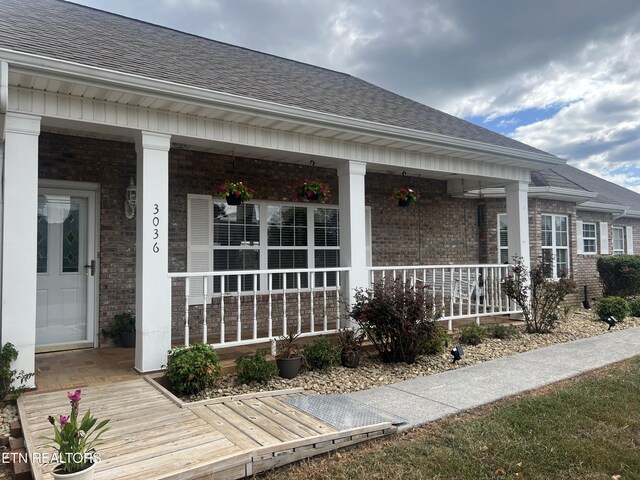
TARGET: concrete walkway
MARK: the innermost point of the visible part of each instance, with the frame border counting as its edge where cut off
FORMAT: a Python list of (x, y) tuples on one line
[(425, 399)]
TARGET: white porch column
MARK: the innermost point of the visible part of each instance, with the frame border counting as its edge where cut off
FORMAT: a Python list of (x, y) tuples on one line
[(518, 221), (19, 243), (153, 287), (353, 242)]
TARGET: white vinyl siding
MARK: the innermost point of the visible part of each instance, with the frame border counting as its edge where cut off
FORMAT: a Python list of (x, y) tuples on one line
[(617, 236), (555, 244)]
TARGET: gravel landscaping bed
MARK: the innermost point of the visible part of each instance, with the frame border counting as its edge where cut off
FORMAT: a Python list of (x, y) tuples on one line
[(372, 373)]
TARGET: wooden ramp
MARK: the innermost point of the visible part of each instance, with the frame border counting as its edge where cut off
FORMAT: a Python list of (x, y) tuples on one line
[(152, 437)]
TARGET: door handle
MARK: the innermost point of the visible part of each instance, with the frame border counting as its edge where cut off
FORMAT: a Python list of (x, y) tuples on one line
[(91, 267)]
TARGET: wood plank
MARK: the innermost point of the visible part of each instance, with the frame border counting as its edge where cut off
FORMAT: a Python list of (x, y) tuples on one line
[(161, 466), (280, 418), (258, 418), (242, 424), (245, 396), (301, 417), (235, 435)]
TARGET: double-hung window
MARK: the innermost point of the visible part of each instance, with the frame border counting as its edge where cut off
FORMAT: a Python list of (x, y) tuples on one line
[(618, 240), (503, 239), (554, 232), (589, 242), (257, 236)]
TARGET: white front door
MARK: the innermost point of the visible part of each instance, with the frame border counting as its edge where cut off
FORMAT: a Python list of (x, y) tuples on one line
[(66, 266)]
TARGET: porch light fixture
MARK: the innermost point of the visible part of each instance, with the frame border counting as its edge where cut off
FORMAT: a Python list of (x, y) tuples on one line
[(457, 353), (130, 200), (612, 322)]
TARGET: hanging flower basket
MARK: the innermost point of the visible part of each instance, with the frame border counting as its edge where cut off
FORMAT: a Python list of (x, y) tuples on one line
[(404, 196), (235, 192), (311, 191)]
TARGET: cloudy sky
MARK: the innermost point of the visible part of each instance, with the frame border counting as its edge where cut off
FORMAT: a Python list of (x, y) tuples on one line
[(560, 75)]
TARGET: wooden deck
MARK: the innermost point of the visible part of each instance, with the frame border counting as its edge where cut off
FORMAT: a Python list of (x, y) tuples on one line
[(151, 437)]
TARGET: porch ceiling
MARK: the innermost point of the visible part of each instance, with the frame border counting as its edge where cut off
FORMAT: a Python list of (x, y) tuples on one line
[(280, 119)]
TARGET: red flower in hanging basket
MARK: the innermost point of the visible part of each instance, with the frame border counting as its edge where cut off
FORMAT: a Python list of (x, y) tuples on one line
[(404, 196), (235, 189), (312, 191)]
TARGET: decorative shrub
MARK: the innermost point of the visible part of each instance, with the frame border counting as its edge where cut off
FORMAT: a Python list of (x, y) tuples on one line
[(634, 307), (502, 331), (612, 307), (436, 339), (122, 322), (9, 377), (620, 275), (322, 354), (192, 369), (397, 318), (537, 296), (472, 334), (255, 368)]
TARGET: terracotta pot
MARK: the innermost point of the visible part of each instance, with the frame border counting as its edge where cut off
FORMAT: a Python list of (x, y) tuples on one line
[(86, 474), (234, 200), (288, 367)]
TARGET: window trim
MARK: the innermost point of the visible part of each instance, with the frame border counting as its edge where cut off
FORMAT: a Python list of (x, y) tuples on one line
[(263, 247), (615, 251), (502, 247), (594, 238), (554, 248)]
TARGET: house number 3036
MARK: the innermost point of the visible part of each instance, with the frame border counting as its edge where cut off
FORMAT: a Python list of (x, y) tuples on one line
[(156, 221)]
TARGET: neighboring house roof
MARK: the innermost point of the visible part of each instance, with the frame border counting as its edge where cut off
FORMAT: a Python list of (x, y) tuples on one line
[(74, 33), (566, 176)]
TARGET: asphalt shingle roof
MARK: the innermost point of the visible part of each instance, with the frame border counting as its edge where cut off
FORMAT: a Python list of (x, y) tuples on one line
[(571, 177), (75, 33)]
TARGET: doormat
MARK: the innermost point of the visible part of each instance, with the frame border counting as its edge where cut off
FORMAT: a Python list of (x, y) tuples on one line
[(342, 412)]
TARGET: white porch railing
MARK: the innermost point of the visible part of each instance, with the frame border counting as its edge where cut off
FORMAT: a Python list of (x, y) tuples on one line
[(255, 306), (460, 291)]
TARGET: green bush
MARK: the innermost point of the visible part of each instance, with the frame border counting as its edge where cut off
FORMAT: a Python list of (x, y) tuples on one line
[(634, 307), (255, 368), (537, 296), (8, 377), (612, 307), (398, 319), (192, 369), (472, 334), (502, 331), (620, 275), (321, 355), (436, 339)]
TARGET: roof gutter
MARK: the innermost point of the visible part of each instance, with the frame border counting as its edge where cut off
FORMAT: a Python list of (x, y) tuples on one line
[(30, 64), (617, 210), (557, 193)]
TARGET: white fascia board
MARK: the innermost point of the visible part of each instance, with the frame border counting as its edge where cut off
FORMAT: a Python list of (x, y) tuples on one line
[(554, 193), (69, 71), (603, 207)]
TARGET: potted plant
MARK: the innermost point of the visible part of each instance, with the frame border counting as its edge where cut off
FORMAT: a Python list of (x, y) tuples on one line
[(74, 441), (404, 196), (312, 191), (235, 192), (123, 329), (288, 357), (350, 341)]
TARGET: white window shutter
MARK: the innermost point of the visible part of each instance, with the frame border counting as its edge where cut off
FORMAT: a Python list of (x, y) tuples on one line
[(199, 244), (630, 240), (604, 238), (580, 248)]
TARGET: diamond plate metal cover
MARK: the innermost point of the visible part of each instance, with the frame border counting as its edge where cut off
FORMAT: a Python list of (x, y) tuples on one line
[(342, 412)]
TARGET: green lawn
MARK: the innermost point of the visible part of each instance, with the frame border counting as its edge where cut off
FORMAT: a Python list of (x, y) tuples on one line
[(587, 428)]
